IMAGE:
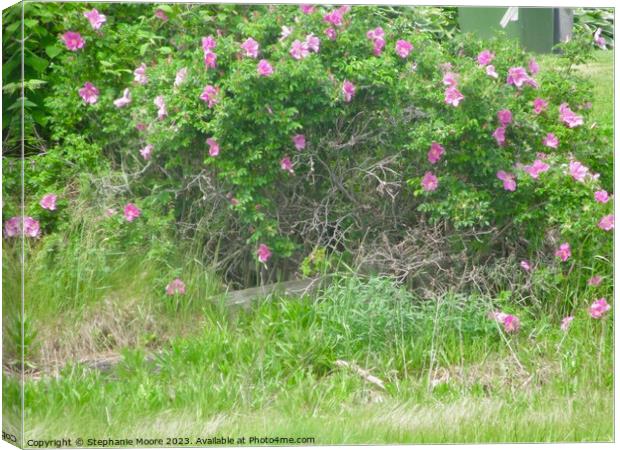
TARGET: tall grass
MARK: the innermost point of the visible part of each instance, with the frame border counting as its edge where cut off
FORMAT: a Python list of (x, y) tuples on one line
[(450, 375), (85, 294)]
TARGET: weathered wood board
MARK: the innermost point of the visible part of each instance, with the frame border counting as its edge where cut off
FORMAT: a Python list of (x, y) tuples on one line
[(289, 288)]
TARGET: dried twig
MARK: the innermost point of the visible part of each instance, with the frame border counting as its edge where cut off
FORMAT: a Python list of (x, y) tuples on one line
[(364, 374)]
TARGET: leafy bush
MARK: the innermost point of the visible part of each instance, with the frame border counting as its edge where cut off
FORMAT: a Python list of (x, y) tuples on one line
[(208, 145)]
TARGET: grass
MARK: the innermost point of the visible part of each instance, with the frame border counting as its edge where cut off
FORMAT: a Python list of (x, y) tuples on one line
[(450, 374), (600, 71)]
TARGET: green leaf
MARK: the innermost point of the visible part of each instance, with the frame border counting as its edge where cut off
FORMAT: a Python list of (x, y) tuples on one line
[(165, 8), (10, 29), (30, 23), (36, 62), (52, 51)]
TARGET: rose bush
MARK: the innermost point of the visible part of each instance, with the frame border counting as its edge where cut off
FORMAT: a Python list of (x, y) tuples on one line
[(287, 129)]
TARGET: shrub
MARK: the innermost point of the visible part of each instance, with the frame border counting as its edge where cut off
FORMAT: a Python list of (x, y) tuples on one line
[(215, 153)]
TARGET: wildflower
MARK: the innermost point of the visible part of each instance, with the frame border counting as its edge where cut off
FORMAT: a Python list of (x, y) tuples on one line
[(31, 227), (264, 68), (334, 17), (536, 168), (599, 308), (140, 74), (214, 147), (577, 170), (161, 15), (449, 79), (209, 95), (607, 223), (551, 141), (485, 57), (517, 76), (599, 40), (161, 105), (525, 265), (306, 9), (250, 47), (567, 116), (12, 227), (299, 50), (175, 287), (566, 321), (403, 48), (563, 252), (533, 67), (140, 127), (131, 212), (286, 32), (377, 33), (180, 77), (500, 135), (299, 140), (453, 96), (595, 280), (348, 90), (287, 165), (313, 43), (601, 196), (504, 116), (73, 40), (378, 45), (89, 93), (331, 34), (48, 202), (263, 253), (210, 59), (429, 182), (508, 180), (377, 37), (435, 153), (511, 324), (490, 70), (498, 316), (208, 43), (124, 100), (95, 18), (540, 105), (146, 152)]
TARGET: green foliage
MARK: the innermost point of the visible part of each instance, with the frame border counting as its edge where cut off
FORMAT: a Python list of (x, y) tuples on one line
[(318, 262), (588, 20), (41, 25), (397, 112)]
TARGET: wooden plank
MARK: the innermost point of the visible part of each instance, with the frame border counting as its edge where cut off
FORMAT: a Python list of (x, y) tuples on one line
[(288, 288)]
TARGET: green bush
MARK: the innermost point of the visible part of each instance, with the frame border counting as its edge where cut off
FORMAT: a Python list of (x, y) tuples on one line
[(360, 174)]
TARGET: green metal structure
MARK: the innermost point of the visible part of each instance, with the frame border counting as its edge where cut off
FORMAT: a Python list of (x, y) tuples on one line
[(538, 29)]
